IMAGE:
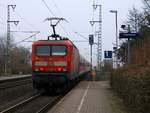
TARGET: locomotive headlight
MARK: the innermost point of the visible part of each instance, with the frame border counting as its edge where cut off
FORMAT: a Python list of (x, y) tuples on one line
[(36, 69), (41, 63), (60, 63)]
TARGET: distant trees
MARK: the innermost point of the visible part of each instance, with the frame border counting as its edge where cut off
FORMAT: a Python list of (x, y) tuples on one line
[(146, 6), (122, 52), (19, 56), (135, 19), (20, 60), (2, 54)]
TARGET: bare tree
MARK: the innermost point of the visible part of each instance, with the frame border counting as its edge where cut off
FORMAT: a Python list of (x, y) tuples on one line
[(2, 54), (135, 19), (20, 60), (19, 57), (146, 5)]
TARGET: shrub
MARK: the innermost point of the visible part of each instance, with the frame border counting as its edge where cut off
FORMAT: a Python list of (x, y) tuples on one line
[(133, 85)]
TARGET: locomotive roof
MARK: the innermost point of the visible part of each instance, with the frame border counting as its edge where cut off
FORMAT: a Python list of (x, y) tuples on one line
[(65, 42)]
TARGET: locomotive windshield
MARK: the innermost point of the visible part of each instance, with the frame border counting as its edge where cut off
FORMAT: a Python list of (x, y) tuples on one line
[(43, 50), (52, 50), (58, 50)]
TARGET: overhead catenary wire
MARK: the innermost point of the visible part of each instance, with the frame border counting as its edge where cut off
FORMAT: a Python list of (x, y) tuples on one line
[(81, 35), (27, 38), (57, 7), (48, 8), (51, 12), (27, 31), (21, 41), (63, 28), (77, 33), (26, 21), (73, 31)]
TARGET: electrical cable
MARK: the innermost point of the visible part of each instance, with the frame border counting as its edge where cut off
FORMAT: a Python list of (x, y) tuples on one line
[(46, 5), (48, 8), (26, 21), (26, 38), (81, 35), (29, 31), (60, 25), (57, 7), (64, 28)]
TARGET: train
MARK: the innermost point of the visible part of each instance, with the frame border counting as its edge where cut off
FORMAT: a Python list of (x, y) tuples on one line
[(56, 64)]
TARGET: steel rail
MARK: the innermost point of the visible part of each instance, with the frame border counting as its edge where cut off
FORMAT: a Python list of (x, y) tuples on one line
[(12, 79), (50, 104), (13, 108), (15, 84)]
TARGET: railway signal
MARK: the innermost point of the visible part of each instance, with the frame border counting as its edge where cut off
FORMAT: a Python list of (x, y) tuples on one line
[(91, 42), (91, 39)]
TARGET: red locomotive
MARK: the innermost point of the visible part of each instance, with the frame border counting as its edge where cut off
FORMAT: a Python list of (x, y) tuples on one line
[(57, 62)]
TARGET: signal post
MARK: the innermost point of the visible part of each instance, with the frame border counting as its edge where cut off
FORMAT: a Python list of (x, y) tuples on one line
[(91, 42)]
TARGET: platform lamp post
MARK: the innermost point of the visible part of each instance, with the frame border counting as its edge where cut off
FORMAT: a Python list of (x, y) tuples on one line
[(116, 22)]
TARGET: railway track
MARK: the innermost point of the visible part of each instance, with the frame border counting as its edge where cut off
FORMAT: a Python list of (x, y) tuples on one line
[(10, 83), (15, 84), (14, 90), (38, 103), (35, 104), (12, 108)]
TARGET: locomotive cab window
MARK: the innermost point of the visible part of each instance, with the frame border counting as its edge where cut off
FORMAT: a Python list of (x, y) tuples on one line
[(43, 50), (58, 50), (51, 50)]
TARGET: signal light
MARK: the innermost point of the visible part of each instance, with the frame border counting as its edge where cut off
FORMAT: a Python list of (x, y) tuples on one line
[(91, 39), (36, 69)]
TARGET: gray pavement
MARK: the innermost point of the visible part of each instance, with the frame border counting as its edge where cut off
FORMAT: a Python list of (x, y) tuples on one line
[(89, 97)]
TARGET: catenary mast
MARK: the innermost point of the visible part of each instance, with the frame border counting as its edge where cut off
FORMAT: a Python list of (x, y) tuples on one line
[(97, 23)]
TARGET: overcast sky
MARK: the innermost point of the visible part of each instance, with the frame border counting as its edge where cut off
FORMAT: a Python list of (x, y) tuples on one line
[(78, 13)]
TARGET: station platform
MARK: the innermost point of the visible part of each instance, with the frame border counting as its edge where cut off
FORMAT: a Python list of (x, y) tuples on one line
[(88, 97), (9, 77)]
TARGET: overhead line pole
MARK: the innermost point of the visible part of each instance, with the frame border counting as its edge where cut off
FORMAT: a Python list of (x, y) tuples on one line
[(7, 58), (99, 33)]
